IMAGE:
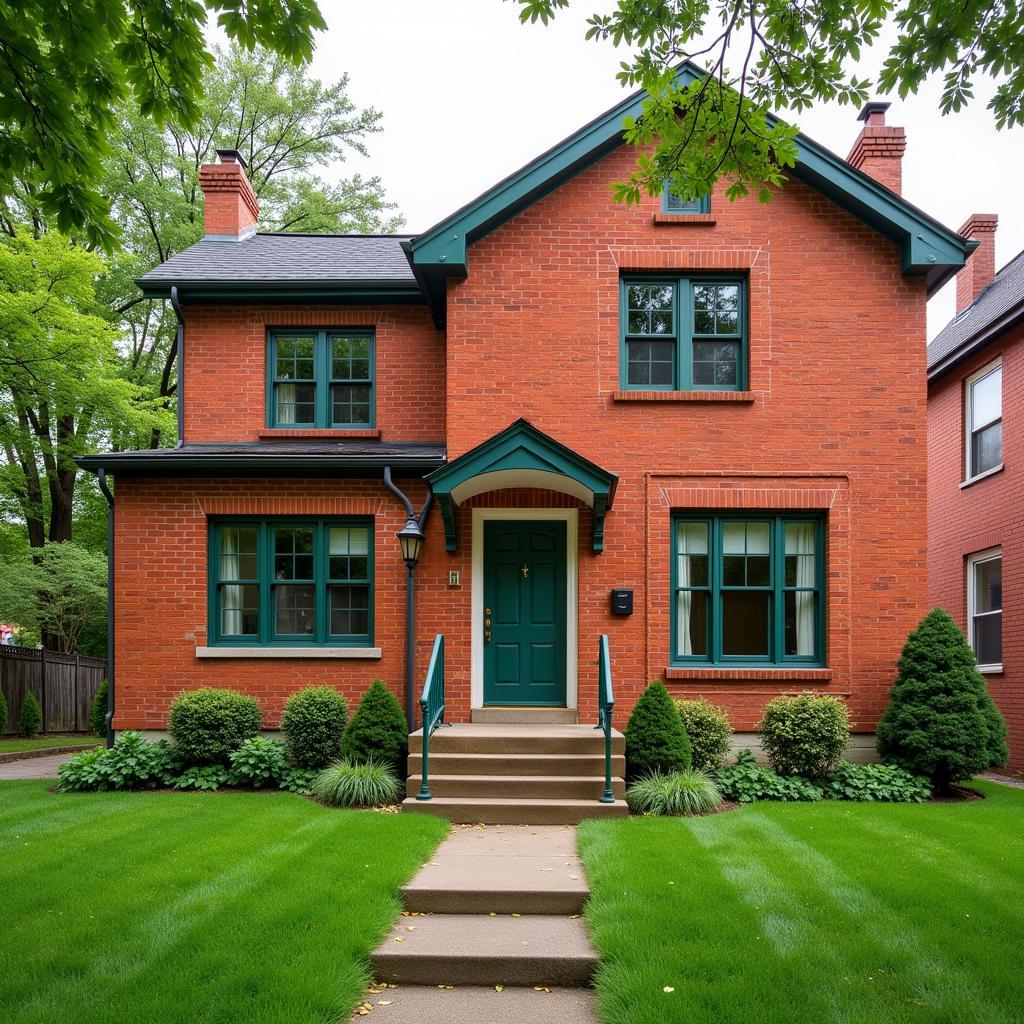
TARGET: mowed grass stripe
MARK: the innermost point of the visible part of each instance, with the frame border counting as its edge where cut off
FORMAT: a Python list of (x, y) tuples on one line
[(199, 907), (810, 913)]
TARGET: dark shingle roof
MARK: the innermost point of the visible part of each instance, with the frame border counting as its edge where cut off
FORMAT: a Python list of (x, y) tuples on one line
[(287, 259), (999, 299)]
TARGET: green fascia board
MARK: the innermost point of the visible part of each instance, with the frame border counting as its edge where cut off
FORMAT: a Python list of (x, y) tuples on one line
[(256, 466), (271, 291), (521, 446), (928, 247)]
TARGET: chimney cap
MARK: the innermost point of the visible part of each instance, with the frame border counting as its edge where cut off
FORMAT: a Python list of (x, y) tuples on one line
[(873, 107), (232, 156)]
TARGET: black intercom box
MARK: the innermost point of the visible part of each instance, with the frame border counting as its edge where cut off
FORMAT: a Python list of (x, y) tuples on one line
[(622, 602)]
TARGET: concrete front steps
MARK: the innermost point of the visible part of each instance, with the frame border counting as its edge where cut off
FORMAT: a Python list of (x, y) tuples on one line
[(516, 773)]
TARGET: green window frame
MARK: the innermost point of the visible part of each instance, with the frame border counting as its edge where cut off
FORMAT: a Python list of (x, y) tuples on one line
[(748, 589), (321, 379), (671, 203), (291, 581), (683, 333)]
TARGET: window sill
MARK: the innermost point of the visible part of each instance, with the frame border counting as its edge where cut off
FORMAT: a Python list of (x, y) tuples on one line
[(990, 670), (692, 219), (982, 476), (372, 432), (737, 673), (289, 652), (684, 396)]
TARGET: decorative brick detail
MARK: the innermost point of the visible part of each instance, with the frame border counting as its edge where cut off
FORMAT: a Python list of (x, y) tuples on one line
[(691, 219), (683, 396), (782, 676), (284, 434)]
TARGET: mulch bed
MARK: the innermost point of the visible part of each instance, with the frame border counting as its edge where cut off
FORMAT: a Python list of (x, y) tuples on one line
[(958, 795)]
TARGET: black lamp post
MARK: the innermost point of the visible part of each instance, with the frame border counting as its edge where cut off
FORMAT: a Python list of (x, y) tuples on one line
[(411, 539)]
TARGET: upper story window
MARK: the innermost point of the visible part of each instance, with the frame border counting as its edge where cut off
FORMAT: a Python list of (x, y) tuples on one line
[(683, 334), (748, 589), (671, 203), (291, 582), (985, 608), (983, 417), (321, 379)]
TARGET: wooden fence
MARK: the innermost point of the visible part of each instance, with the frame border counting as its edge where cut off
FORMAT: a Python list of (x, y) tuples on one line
[(64, 685)]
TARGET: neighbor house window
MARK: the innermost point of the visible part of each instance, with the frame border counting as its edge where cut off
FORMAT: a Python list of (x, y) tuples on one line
[(984, 421), (671, 203), (747, 589), (683, 334), (985, 608), (321, 379), (291, 582)]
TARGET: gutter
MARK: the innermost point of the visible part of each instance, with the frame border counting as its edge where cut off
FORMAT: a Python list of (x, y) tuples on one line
[(180, 346), (1009, 320), (108, 718)]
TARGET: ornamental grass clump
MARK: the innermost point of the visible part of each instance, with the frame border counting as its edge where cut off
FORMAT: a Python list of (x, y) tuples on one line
[(378, 731), (655, 738), (368, 783), (805, 735), (675, 793), (313, 723), (207, 725), (708, 730), (941, 721)]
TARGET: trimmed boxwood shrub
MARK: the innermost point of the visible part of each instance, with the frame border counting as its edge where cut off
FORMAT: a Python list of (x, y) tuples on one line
[(31, 720), (708, 730), (686, 792), (941, 722), (98, 710), (378, 730), (655, 738), (313, 724), (805, 735), (207, 725), (876, 783), (747, 781)]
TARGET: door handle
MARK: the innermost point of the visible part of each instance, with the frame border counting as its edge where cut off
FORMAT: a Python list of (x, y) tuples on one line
[(487, 626)]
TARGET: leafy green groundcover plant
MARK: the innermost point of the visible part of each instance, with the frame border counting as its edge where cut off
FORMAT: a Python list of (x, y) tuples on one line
[(805, 735), (708, 730), (378, 730), (298, 780), (131, 763), (747, 781), (207, 777), (358, 784), (685, 792), (98, 710), (258, 763), (941, 721), (876, 783), (655, 738), (313, 724), (31, 719), (208, 724)]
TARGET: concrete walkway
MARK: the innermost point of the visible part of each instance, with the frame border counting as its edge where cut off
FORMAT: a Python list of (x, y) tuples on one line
[(492, 933), (33, 767)]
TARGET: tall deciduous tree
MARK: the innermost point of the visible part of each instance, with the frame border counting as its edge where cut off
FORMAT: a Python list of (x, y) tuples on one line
[(765, 56), (66, 67)]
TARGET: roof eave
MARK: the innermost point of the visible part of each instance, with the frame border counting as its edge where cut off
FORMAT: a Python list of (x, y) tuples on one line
[(395, 290), (261, 465), (1012, 318)]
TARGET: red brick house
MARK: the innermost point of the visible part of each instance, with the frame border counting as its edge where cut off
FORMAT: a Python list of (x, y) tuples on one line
[(717, 408), (975, 487)]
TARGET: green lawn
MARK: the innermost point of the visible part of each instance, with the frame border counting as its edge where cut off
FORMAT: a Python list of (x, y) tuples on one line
[(14, 744), (194, 908), (853, 913)]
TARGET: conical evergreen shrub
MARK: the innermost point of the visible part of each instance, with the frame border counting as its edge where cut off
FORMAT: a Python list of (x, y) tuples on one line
[(3, 713), (98, 711), (940, 721), (655, 738), (378, 730), (31, 716)]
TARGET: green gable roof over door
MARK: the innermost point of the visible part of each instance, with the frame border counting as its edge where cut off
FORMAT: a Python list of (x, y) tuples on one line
[(522, 456), (928, 247)]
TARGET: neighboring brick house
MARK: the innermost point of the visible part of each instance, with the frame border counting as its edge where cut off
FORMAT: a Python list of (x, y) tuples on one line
[(718, 407), (975, 476)]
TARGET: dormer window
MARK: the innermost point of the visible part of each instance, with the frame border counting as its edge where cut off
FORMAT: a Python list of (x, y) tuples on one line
[(671, 203)]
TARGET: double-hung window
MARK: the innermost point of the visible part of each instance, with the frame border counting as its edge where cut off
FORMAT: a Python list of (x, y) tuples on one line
[(321, 379), (683, 334), (983, 417), (747, 589), (291, 582), (985, 608)]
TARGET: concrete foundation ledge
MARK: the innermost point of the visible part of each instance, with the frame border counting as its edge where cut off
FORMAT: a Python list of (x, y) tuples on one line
[(367, 653)]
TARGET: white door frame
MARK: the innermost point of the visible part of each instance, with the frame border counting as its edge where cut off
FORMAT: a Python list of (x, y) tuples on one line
[(570, 517)]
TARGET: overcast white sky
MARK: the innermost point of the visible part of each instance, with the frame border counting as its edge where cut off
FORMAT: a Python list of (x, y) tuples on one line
[(469, 95)]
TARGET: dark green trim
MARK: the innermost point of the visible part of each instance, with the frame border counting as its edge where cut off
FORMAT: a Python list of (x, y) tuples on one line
[(521, 446), (357, 292), (265, 581), (715, 587), (701, 205), (256, 466)]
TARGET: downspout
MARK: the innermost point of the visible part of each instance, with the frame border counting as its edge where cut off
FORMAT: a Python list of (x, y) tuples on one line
[(410, 598), (180, 346), (108, 718)]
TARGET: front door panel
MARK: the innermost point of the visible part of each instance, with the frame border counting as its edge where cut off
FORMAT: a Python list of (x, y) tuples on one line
[(524, 613)]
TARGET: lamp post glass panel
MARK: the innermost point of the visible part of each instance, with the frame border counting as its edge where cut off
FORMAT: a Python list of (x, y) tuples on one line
[(411, 539)]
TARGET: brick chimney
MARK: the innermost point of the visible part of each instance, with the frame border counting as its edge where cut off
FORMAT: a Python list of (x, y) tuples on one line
[(231, 209), (980, 268), (879, 148)]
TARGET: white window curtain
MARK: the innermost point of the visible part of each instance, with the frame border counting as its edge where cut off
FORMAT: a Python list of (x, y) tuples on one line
[(800, 542), (691, 539), (231, 595)]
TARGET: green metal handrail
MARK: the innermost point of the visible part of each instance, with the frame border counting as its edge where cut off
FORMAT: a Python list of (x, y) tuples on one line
[(605, 706), (432, 707)]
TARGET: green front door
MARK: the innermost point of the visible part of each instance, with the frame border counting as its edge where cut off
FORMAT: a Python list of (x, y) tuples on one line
[(524, 613)]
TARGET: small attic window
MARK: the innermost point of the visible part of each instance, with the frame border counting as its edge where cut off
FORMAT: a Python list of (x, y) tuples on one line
[(671, 203)]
